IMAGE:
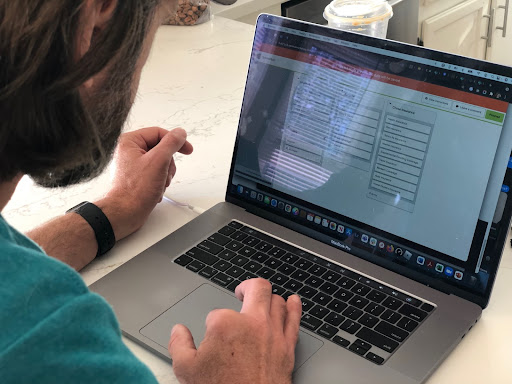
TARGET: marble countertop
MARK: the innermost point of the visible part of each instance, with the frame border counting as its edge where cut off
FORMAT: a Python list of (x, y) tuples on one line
[(195, 79)]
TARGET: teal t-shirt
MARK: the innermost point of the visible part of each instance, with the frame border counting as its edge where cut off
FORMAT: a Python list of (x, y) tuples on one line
[(53, 329)]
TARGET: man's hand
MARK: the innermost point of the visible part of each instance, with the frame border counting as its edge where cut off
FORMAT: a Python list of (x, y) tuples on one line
[(256, 345), (144, 167)]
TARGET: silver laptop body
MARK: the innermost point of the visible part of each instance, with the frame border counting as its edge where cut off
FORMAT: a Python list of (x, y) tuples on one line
[(352, 184)]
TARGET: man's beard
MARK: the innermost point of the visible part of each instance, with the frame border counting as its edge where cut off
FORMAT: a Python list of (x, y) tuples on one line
[(109, 109)]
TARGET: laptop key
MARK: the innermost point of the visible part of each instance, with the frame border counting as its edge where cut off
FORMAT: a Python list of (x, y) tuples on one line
[(277, 290), (250, 241), (334, 319), (217, 238), (235, 271), (319, 311), (260, 257), (359, 302), (390, 316), (427, 307), (232, 286), (235, 224), (341, 341), (293, 285), (322, 299), (361, 289), (286, 269), (202, 256), (273, 263), (376, 296), (209, 246), (331, 276), (222, 279), (346, 283), (358, 349), (279, 279), (290, 258), (265, 273), (247, 251), (363, 344), (343, 295), (329, 288), (277, 252), (375, 358), (183, 260), (408, 324), (222, 265), (413, 313), (239, 260), (306, 304), (234, 245), (247, 276), (286, 295), (226, 254), (368, 320), (327, 331), (307, 292), (391, 331), (263, 246), (375, 338), (392, 303), (317, 270), (374, 309), (300, 275), (337, 306), (310, 322), (352, 313), (227, 231), (208, 272), (303, 264), (314, 281), (239, 236), (195, 266), (350, 326), (253, 266)]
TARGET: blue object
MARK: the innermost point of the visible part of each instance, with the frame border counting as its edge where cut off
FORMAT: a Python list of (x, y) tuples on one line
[(348, 231), (505, 188), (448, 271), (54, 330)]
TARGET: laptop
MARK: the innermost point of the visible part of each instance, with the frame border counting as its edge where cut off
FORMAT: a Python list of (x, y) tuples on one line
[(368, 176)]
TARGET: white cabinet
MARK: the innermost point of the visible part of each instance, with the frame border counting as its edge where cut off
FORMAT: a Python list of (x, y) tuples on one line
[(459, 29), (499, 48)]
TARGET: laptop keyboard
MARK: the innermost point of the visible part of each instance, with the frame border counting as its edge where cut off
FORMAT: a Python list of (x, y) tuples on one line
[(349, 309)]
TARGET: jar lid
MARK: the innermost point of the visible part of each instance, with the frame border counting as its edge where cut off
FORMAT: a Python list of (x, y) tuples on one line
[(358, 12)]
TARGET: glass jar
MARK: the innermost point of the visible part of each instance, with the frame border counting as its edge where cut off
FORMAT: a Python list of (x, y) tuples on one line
[(191, 12)]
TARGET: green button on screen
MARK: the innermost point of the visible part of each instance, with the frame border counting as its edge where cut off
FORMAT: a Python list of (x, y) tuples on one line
[(495, 116)]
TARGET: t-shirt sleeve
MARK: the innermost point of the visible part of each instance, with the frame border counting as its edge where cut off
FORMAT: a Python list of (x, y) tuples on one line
[(80, 342)]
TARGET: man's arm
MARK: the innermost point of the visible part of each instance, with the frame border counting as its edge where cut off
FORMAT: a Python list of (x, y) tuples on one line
[(144, 168)]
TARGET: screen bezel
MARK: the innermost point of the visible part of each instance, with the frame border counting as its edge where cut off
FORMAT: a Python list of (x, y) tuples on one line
[(420, 52)]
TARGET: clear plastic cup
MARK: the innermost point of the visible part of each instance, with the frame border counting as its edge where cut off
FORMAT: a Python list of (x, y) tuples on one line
[(369, 17)]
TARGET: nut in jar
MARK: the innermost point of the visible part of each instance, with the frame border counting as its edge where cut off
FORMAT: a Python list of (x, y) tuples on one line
[(191, 12)]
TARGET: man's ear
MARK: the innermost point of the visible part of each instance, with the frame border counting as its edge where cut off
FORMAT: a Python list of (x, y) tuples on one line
[(95, 17)]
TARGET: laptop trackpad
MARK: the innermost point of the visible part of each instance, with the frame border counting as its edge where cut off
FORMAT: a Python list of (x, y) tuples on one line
[(192, 311)]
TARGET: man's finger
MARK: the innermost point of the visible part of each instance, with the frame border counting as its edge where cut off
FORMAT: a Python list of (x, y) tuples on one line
[(292, 322), (181, 346), (278, 312), (256, 295)]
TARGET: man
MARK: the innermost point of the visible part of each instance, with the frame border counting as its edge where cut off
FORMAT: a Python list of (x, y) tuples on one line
[(69, 71)]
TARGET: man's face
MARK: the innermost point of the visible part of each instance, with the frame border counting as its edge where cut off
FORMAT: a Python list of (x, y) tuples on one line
[(109, 101)]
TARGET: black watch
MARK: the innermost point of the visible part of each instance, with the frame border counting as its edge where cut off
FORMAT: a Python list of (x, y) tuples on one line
[(99, 223)]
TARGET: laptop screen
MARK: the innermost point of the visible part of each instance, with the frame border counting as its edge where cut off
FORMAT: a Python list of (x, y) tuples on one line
[(393, 153)]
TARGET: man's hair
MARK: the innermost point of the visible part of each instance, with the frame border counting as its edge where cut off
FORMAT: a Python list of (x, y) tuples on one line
[(46, 126)]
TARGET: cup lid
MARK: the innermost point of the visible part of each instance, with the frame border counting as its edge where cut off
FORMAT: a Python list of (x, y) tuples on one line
[(358, 12)]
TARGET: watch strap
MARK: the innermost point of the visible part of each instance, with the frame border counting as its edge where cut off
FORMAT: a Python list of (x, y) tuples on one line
[(99, 223)]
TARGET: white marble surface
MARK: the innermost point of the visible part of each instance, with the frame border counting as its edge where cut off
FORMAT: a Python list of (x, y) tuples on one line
[(195, 79)]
